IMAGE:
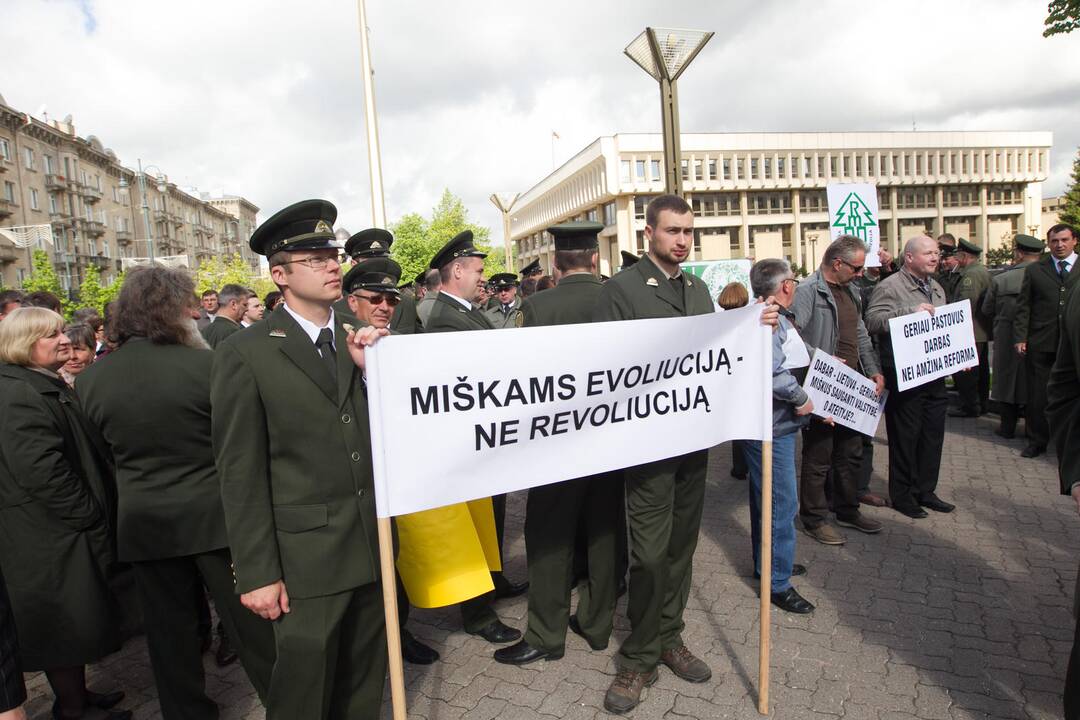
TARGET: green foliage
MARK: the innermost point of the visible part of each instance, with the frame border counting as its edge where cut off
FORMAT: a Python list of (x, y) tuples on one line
[(997, 257), (217, 272), (91, 293), (1070, 213), (43, 278), (1063, 16), (417, 239)]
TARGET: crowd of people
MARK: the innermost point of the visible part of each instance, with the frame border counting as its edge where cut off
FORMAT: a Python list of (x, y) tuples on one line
[(219, 445)]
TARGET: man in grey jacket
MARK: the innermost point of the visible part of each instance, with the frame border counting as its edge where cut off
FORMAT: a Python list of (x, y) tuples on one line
[(829, 317)]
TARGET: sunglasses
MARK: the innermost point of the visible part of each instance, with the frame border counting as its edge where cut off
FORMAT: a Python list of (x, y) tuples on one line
[(379, 299), (854, 268)]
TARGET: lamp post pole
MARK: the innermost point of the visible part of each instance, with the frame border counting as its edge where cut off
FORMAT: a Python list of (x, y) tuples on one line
[(146, 212), (378, 201), (505, 203)]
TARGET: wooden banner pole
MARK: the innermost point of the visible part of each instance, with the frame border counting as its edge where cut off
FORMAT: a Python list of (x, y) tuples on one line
[(393, 630), (766, 575)]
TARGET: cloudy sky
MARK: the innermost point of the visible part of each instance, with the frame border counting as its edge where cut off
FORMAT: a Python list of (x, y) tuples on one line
[(263, 98)]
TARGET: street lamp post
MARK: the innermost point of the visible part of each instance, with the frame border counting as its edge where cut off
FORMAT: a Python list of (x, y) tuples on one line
[(665, 53), (505, 203), (162, 179)]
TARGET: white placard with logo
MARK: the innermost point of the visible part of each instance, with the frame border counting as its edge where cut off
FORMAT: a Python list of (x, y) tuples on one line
[(853, 210), (927, 347), (843, 394)]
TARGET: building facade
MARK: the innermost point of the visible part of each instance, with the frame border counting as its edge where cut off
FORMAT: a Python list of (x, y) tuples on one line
[(759, 195), (101, 213)]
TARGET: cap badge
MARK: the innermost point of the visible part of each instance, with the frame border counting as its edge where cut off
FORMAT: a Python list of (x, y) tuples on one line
[(651, 282), (376, 245), (321, 226)]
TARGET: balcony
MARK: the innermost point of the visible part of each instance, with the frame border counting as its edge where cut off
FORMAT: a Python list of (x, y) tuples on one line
[(100, 260), (3, 166), (177, 220), (124, 237), (8, 254), (5, 208), (59, 218), (90, 194), (55, 183)]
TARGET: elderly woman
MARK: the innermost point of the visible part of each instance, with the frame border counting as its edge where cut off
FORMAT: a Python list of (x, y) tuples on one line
[(83, 351), (55, 501), (150, 399)]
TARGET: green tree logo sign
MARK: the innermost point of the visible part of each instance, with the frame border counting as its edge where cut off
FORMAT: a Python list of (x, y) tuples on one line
[(855, 218)]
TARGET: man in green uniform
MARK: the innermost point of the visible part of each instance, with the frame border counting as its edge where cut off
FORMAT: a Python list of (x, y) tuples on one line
[(947, 275), (973, 385), (999, 308), (293, 453), (553, 511), (232, 304), (1039, 309), (663, 498), (461, 269), (507, 303), (629, 260), (432, 284), (373, 243)]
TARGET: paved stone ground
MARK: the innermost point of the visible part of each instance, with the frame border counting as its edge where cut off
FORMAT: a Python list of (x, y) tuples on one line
[(949, 618)]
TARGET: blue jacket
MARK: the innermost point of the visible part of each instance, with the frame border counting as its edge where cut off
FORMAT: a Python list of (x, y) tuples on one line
[(787, 393)]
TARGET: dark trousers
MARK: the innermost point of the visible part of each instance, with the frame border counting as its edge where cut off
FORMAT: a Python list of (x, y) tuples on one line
[(866, 466), (477, 613), (915, 420), (828, 447), (1037, 365), (1010, 415), (738, 458), (1072, 675), (973, 386), (663, 515), (551, 521), (331, 657), (168, 594)]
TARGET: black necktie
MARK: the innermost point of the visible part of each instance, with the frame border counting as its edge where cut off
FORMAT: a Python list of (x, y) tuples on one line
[(1063, 268), (325, 346), (506, 309)]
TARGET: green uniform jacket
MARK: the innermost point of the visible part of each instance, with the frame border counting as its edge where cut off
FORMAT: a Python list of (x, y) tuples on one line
[(1041, 305), (151, 403), (56, 501), (293, 454), (405, 319), (499, 319), (974, 280), (1063, 394), (571, 301), (221, 328), (948, 282), (999, 308), (644, 291), (448, 315), (423, 308)]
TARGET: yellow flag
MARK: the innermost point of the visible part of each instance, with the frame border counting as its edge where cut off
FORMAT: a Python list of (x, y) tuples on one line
[(447, 554)]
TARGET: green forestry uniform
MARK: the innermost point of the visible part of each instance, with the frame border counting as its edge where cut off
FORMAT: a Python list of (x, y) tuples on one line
[(948, 279), (503, 316), (151, 404), (292, 445), (221, 328), (553, 511), (533, 269), (373, 243), (663, 498), (973, 386), (56, 532), (1009, 390)]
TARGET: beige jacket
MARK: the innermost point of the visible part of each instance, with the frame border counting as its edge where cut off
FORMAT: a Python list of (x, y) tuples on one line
[(895, 296)]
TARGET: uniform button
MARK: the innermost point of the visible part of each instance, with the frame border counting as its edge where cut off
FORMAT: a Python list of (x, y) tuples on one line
[(356, 456), (360, 492), (346, 419)]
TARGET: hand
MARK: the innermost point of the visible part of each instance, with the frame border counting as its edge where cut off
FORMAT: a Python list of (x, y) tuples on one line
[(267, 602), (770, 316), (357, 340), (927, 307), (842, 360), (805, 409), (884, 257), (1021, 348), (1076, 497), (879, 383)]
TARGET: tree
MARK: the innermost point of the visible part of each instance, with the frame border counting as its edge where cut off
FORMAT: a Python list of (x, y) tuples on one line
[(217, 272), (91, 293), (1063, 17), (43, 278), (416, 239), (1070, 211)]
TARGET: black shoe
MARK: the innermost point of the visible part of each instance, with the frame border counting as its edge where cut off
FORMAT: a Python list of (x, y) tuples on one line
[(107, 714), (916, 513), (1033, 451), (104, 701), (225, 654), (621, 588), (738, 475), (1007, 434), (796, 569), (207, 642), (791, 601), (523, 653), (575, 627), (962, 413), (416, 652), (505, 589), (498, 633), (937, 504)]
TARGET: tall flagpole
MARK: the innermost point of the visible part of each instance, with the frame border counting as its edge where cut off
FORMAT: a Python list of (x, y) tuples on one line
[(378, 219), (378, 202)]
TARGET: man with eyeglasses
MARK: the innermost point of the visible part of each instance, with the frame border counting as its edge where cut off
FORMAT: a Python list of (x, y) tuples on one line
[(829, 317), (293, 453), (376, 243)]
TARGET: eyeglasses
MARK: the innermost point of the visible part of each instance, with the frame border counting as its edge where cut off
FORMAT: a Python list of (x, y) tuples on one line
[(793, 281), (379, 299), (854, 268), (320, 262)]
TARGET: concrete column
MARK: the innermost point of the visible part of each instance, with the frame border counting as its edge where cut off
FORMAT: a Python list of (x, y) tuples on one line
[(894, 224), (796, 229), (983, 226), (744, 228), (939, 200)]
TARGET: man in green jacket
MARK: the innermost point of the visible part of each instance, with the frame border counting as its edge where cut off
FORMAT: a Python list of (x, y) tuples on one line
[(505, 303), (973, 385), (375, 243), (292, 447), (232, 304)]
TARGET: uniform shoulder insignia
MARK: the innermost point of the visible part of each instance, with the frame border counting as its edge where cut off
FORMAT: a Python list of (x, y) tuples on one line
[(968, 282), (519, 319), (651, 282), (277, 333), (689, 282)]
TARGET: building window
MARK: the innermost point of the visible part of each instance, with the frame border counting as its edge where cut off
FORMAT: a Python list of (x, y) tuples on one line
[(753, 168), (640, 203), (883, 199), (5, 149), (726, 167), (715, 204), (53, 207), (712, 170), (592, 215), (768, 168), (34, 199), (781, 168), (639, 170), (28, 157), (654, 170), (960, 196), (640, 242), (805, 167), (768, 203), (858, 166), (48, 163), (909, 198), (685, 169), (740, 169), (811, 201), (9, 191), (624, 171), (609, 213), (832, 167), (699, 173)]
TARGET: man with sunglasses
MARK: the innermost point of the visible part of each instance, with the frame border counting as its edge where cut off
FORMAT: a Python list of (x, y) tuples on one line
[(503, 314), (375, 243), (828, 314), (293, 453)]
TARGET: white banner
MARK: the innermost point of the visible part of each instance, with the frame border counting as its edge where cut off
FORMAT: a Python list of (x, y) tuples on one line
[(853, 210), (927, 347), (459, 416), (839, 392)]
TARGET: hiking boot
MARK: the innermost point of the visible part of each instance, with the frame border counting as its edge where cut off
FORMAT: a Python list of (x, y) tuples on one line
[(624, 694), (683, 663)]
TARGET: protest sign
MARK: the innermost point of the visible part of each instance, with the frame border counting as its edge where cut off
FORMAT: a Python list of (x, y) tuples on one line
[(503, 411), (853, 210), (926, 347), (839, 392), (716, 274)]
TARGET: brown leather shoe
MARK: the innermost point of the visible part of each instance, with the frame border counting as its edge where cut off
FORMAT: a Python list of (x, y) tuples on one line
[(874, 500), (624, 694), (861, 523), (683, 663), (825, 534)]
